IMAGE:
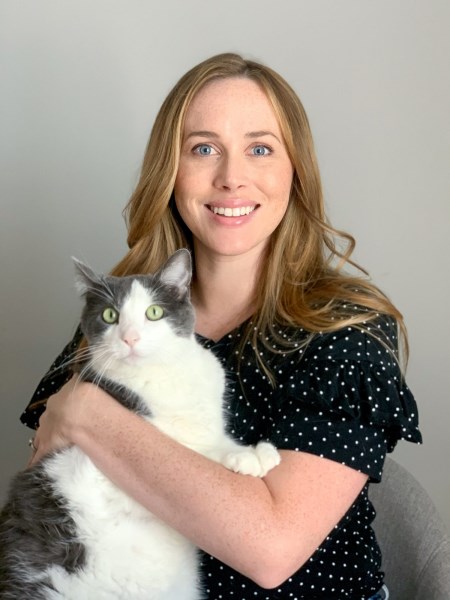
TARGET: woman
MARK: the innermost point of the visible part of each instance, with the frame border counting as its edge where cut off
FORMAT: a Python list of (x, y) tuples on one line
[(230, 172)]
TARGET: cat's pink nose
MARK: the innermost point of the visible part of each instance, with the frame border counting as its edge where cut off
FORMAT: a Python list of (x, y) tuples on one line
[(131, 338)]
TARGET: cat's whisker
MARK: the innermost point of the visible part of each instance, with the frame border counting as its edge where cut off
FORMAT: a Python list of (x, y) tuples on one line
[(103, 294), (108, 288), (100, 375), (101, 351), (71, 360), (78, 379)]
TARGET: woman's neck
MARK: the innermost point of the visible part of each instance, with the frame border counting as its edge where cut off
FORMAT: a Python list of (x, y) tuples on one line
[(223, 293)]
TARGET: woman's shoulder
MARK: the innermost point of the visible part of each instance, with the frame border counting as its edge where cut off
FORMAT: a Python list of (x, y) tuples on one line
[(374, 341), (354, 373)]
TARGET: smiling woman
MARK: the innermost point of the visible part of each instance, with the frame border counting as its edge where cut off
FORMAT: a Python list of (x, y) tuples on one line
[(234, 178), (312, 352)]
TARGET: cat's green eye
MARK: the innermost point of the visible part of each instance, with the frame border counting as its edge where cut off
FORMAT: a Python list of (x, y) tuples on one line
[(110, 315), (154, 312)]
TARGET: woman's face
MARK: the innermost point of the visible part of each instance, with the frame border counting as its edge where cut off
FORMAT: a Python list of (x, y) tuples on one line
[(234, 179)]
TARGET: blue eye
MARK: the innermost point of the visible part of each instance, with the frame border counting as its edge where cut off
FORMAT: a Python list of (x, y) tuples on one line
[(203, 150), (261, 150)]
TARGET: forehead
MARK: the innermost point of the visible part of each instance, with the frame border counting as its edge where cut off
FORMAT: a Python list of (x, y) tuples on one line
[(237, 102)]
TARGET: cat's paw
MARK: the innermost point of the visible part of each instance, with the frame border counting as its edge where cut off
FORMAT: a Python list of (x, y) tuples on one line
[(256, 461), (268, 455)]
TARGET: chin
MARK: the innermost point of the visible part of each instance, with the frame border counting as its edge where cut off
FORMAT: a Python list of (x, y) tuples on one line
[(237, 248), (135, 360)]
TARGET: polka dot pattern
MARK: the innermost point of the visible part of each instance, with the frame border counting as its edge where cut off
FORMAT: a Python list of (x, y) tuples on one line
[(342, 397)]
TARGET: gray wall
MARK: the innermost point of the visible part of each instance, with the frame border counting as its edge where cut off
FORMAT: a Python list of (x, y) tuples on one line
[(80, 84)]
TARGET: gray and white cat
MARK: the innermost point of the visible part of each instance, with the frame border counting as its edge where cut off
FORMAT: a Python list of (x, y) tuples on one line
[(67, 532)]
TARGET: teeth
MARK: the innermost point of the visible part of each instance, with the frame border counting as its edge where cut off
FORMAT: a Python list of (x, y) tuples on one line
[(232, 212)]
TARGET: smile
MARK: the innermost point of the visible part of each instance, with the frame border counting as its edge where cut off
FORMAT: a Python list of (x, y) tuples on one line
[(232, 212)]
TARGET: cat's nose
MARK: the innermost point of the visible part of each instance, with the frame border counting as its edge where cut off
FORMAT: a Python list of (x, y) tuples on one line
[(131, 338)]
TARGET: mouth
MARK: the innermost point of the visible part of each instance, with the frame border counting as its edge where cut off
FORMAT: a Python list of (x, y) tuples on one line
[(238, 211)]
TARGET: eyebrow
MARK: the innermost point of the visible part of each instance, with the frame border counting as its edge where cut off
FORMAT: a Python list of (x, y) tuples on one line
[(214, 135), (261, 133), (202, 133)]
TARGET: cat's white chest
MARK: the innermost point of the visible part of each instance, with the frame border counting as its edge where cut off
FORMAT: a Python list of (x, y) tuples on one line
[(185, 397)]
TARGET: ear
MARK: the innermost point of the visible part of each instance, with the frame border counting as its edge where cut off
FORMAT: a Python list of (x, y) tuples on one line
[(177, 271), (85, 278)]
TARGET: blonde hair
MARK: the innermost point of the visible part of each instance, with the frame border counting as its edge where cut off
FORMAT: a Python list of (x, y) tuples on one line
[(303, 282)]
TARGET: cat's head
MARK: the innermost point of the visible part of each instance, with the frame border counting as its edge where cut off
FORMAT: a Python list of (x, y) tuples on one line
[(136, 318)]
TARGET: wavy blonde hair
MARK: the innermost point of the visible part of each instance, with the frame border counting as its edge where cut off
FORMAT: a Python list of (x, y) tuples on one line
[(303, 282)]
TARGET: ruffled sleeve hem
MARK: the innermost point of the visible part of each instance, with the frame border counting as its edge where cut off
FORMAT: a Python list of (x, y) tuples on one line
[(373, 394)]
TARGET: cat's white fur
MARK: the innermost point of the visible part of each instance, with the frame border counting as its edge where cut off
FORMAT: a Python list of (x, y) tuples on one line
[(131, 555)]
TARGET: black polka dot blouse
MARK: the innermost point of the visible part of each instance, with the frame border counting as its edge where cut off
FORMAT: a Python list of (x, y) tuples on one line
[(341, 397)]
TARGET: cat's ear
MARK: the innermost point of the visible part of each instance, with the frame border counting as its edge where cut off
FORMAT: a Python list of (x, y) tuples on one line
[(177, 271), (85, 277)]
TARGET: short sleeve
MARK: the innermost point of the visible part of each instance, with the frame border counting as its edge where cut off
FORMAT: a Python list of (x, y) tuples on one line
[(346, 399), (59, 373)]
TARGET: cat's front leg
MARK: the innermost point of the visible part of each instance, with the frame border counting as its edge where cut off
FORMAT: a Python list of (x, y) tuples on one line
[(251, 460)]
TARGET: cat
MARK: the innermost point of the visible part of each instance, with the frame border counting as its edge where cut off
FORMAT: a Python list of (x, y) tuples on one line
[(66, 531)]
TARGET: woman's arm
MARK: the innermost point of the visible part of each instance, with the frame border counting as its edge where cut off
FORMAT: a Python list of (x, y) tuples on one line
[(264, 528)]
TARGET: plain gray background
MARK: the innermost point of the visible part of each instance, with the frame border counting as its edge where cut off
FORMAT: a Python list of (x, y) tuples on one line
[(81, 82)]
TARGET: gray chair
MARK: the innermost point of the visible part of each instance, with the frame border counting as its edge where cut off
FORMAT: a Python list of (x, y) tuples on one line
[(414, 540)]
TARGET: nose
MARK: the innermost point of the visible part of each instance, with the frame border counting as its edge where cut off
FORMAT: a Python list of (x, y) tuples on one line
[(131, 337), (231, 173)]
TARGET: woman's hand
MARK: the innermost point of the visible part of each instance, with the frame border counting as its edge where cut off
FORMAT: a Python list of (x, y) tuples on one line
[(60, 417)]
